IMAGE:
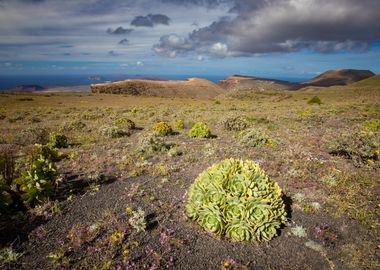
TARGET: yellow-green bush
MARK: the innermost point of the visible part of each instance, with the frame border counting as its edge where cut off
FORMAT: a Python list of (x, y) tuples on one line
[(179, 124), (163, 129), (58, 140), (315, 100), (125, 123), (200, 130), (37, 183), (372, 124)]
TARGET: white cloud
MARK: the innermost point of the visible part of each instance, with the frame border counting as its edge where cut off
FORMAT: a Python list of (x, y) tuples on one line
[(200, 58), (219, 49)]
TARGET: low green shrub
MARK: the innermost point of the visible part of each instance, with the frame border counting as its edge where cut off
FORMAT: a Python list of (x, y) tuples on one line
[(75, 125), (9, 255), (125, 123), (175, 151), (235, 123), (362, 146), (17, 116), (255, 137), (258, 120), (372, 124), (236, 199), (137, 220), (163, 129), (304, 114), (58, 140), (179, 124), (36, 184), (151, 143), (113, 132), (32, 135), (44, 150), (314, 100), (91, 115), (200, 130)]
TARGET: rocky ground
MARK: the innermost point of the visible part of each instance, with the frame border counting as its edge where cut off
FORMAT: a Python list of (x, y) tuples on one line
[(105, 182)]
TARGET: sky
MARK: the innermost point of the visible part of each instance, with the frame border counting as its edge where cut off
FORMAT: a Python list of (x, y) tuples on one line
[(272, 38)]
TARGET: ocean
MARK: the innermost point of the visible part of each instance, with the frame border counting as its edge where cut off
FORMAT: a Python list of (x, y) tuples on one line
[(12, 81)]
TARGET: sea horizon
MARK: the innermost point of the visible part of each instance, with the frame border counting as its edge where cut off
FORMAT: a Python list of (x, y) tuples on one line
[(66, 80)]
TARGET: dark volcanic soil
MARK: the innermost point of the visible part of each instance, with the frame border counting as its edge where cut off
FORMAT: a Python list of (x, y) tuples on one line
[(189, 247)]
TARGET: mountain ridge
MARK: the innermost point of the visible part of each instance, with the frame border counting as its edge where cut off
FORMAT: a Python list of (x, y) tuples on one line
[(326, 79)]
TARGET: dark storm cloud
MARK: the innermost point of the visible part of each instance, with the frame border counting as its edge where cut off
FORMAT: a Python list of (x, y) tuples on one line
[(266, 26), (150, 20), (119, 31), (142, 21), (124, 42)]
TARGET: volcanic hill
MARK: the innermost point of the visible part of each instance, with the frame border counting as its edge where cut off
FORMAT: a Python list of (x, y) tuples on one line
[(240, 82), (340, 77), (190, 88)]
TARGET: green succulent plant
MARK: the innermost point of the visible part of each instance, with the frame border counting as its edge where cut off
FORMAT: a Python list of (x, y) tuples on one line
[(200, 130), (236, 199), (163, 129)]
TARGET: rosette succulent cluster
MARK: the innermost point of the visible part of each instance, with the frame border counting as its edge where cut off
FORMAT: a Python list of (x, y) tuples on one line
[(236, 199)]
